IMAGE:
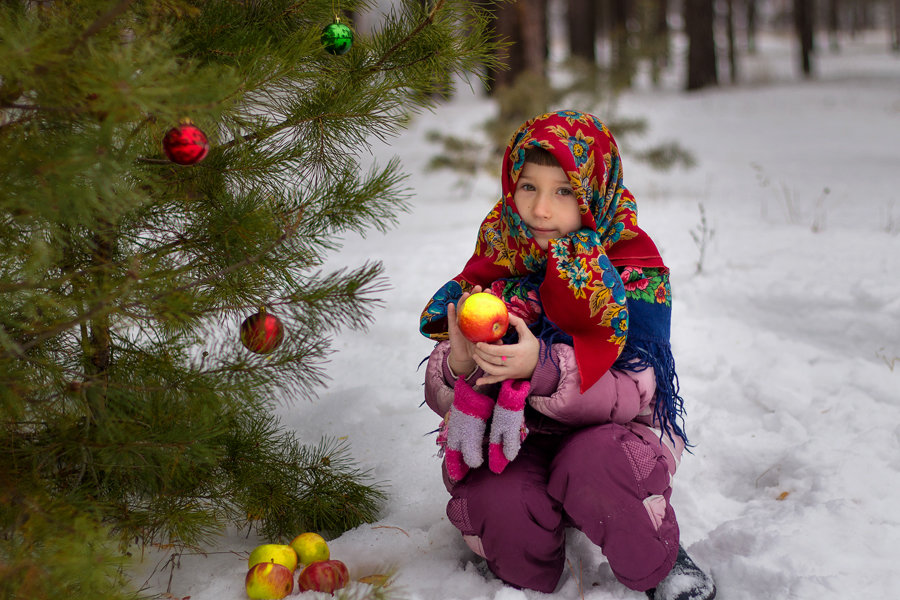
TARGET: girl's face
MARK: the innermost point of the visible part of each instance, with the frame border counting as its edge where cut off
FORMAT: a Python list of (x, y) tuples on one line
[(546, 202)]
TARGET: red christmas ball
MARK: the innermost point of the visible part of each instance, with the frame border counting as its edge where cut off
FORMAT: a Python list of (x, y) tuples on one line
[(186, 144), (262, 332)]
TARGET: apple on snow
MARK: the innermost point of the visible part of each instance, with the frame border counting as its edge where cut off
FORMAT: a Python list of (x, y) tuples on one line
[(323, 576), (269, 581)]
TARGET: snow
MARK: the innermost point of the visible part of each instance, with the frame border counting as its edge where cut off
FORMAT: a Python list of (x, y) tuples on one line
[(787, 343)]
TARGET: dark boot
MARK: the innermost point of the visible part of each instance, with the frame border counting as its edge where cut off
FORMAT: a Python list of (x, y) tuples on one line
[(684, 582)]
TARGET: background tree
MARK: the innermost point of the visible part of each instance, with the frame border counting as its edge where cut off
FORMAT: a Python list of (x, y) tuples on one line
[(581, 21), (731, 36), (654, 36), (895, 25), (751, 12), (130, 411), (803, 26), (520, 32), (833, 20), (622, 12), (699, 18)]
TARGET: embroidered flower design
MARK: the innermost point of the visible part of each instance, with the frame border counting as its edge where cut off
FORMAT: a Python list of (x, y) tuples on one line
[(620, 323), (662, 295), (518, 162), (578, 275), (559, 249), (610, 278), (615, 232), (534, 261), (579, 148), (633, 279)]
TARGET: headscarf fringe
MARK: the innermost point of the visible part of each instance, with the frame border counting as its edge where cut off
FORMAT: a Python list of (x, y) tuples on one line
[(669, 410)]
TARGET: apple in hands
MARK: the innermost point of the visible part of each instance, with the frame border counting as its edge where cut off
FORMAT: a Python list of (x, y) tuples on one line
[(483, 318)]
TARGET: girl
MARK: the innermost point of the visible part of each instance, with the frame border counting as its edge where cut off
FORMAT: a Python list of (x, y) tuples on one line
[(580, 399)]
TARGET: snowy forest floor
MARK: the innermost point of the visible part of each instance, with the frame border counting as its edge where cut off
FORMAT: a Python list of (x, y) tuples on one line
[(787, 343)]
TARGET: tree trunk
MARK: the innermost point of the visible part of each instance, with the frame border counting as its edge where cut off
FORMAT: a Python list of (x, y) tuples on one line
[(506, 27), (895, 30), (732, 48), (698, 22), (657, 38), (803, 24), (581, 19), (620, 43), (522, 24), (751, 26), (834, 11), (533, 33)]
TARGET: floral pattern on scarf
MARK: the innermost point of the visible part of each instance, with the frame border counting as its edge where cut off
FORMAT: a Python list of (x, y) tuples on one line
[(582, 292)]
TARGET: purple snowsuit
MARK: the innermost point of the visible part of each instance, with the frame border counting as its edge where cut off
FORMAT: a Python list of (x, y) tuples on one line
[(591, 460)]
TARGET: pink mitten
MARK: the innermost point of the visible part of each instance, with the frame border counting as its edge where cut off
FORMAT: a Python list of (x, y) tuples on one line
[(508, 424), (465, 430)]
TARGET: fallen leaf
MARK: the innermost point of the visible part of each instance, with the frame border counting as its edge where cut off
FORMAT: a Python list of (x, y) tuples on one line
[(376, 579)]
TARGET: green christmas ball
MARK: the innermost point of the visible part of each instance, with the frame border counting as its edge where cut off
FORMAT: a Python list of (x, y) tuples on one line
[(337, 38)]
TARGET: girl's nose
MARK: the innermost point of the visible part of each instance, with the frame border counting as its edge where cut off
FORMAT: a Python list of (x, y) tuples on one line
[(542, 207)]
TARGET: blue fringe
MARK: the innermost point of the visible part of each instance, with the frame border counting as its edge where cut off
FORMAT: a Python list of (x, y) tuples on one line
[(638, 355)]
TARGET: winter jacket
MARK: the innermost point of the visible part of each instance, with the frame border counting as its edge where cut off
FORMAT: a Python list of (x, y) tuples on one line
[(555, 404)]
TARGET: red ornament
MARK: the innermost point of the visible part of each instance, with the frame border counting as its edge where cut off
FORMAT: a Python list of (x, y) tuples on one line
[(186, 144), (262, 332)]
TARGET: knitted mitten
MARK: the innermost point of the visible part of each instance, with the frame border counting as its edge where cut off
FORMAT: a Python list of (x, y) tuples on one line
[(508, 424), (465, 430)]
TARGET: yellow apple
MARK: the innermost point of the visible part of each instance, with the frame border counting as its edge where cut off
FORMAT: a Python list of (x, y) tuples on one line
[(269, 581), (483, 318), (281, 554), (310, 547)]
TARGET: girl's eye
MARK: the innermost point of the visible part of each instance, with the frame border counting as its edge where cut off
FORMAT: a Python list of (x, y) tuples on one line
[(527, 187), (565, 191)]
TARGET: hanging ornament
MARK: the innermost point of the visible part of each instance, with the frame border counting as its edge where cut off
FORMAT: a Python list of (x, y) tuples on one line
[(262, 332), (186, 144), (337, 37)]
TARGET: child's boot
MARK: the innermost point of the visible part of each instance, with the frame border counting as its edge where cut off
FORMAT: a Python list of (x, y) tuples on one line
[(684, 582)]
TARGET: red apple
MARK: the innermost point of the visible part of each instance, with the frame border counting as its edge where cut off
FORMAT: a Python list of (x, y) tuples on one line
[(483, 318), (269, 581), (323, 576), (262, 332)]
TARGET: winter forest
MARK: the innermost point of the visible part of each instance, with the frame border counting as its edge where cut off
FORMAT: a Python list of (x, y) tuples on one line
[(220, 221)]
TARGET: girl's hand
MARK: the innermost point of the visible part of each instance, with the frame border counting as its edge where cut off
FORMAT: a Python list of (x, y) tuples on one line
[(462, 351), (514, 361)]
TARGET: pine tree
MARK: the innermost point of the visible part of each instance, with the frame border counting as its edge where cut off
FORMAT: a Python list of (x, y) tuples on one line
[(131, 413)]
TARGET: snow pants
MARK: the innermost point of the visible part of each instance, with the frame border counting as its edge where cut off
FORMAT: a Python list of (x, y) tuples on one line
[(603, 480)]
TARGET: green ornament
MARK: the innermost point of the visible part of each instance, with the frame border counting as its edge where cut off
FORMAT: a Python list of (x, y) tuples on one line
[(337, 38)]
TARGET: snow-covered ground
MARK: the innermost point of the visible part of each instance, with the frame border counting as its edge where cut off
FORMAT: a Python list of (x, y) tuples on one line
[(787, 343)]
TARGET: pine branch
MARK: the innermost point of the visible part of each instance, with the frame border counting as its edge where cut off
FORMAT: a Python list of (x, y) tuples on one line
[(393, 49), (100, 23)]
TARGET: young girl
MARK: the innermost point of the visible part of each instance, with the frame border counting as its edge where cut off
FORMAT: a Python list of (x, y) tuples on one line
[(577, 409)]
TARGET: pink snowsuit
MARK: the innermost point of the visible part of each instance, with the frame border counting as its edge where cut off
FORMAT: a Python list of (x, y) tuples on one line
[(591, 460)]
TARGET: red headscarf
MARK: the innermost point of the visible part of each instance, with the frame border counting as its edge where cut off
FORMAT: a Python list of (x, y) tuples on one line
[(582, 292)]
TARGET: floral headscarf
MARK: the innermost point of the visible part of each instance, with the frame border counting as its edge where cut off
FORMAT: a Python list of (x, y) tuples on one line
[(596, 280)]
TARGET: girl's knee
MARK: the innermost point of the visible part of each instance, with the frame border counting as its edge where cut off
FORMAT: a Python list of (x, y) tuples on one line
[(514, 525), (609, 460)]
